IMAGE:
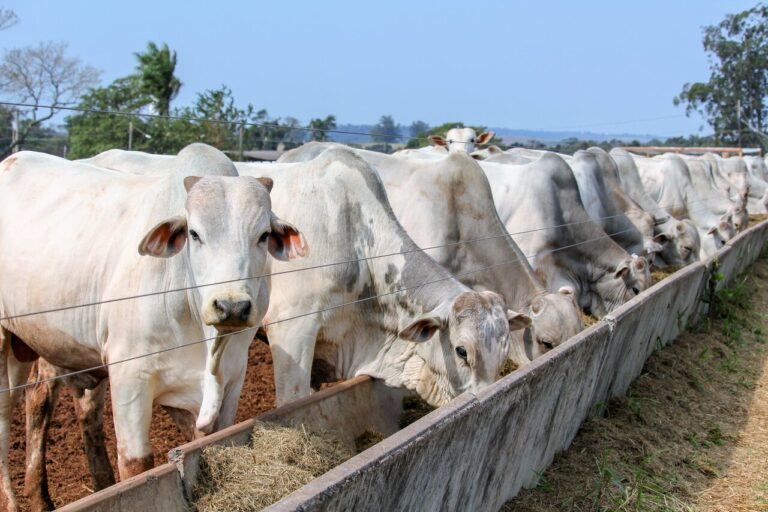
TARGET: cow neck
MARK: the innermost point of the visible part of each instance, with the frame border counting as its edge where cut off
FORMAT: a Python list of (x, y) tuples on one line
[(502, 266)]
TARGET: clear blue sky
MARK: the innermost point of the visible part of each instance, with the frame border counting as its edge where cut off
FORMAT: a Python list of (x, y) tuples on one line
[(535, 65)]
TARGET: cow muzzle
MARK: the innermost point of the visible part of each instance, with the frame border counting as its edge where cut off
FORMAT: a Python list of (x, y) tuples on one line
[(230, 312)]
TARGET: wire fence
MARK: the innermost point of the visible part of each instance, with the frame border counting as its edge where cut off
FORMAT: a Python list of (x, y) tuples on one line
[(323, 310), (516, 260)]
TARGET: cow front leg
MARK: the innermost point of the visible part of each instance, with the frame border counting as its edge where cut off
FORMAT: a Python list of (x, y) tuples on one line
[(292, 344), (40, 405), (89, 407), (12, 373), (132, 413)]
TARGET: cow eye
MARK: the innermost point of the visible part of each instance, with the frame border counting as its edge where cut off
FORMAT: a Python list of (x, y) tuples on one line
[(636, 290), (193, 235), (263, 237), (461, 352), (547, 344)]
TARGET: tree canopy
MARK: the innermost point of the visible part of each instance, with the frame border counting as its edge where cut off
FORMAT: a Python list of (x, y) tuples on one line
[(733, 100)]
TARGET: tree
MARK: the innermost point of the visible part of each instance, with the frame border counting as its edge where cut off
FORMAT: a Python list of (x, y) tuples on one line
[(418, 128), (92, 132), (386, 131), (156, 70), (320, 127), (45, 78), (733, 101)]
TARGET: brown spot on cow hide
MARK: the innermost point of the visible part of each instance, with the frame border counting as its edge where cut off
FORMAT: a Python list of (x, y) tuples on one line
[(9, 162)]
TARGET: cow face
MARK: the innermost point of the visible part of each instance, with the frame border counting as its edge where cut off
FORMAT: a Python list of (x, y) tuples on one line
[(680, 243), (617, 286), (228, 230), (555, 318), (462, 139), (462, 346)]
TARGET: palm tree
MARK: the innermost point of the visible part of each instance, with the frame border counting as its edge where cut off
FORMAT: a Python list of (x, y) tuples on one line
[(156, 74), (319, 127)]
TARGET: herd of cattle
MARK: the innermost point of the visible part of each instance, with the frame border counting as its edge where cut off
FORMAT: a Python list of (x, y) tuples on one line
[(428, 269)]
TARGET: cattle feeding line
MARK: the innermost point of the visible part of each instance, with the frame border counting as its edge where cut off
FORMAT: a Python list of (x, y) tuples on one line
[(324, 310), (326, 265)]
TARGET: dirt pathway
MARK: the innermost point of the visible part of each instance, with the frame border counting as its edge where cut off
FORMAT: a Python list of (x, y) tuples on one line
[(692, 432)]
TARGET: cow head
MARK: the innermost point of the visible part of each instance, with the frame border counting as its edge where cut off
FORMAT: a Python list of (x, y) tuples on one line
[(680, 243), (617, 286), (555, 318), (460, 346), (461, 139), (716, 237), (228, 229)]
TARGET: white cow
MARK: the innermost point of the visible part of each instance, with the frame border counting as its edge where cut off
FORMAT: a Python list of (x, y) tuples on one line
[(539, 204), (716, 193), (461, 139), (446, 206), (757, 179), (679, 238), (634, 234), (667, 180), (407, 320), (88, 235)]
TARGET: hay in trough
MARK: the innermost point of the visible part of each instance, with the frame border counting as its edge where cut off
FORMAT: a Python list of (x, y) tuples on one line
[(756, 219), (278, 461), (414, 408), (368, 439), (508, 368), (587, 319), (658, 274)]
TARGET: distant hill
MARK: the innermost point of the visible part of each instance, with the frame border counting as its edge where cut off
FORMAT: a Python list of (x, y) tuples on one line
[(509, 135)]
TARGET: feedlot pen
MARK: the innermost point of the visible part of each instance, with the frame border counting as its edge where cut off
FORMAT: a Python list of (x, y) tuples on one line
[(478, 451)]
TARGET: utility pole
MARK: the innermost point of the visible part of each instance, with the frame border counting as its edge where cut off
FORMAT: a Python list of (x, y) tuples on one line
[(130, 135), (738, 118), (15, 131), (240, 143)]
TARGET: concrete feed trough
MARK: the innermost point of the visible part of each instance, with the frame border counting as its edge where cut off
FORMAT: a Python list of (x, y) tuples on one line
[(479, 450)]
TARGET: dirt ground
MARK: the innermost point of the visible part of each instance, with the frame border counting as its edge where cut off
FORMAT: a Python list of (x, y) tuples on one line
[(68, 474), (692, 432)]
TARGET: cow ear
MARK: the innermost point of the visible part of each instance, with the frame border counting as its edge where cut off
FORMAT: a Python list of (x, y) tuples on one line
[(190, 181), (712, 230), (517, 320), (423, 327), (286, 242), (166, 239), (485, 138), (566, 290), (661, 239), (639, 263), (622, 270), (437, 140), (267, 182)]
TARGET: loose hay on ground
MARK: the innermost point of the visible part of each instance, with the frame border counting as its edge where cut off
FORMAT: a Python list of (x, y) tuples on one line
[(278, 461)]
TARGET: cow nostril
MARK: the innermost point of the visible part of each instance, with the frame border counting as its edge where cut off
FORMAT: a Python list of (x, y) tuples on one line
[(224, 307), (242, 309)]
